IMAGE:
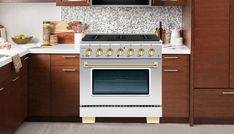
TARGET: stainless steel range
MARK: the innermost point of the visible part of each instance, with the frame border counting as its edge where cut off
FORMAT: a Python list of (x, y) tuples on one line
[(121, 76)]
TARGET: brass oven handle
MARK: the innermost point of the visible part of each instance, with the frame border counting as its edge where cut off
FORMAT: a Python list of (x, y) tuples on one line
[(171, 57), (2, 89), (87, 65), (15, 79), (171, 70), (228, 93), (70, 57), (69, 70)]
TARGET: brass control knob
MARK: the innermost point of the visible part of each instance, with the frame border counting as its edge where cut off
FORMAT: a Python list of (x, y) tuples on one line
[(130, 52), (88, 52), (151, 52), (109, 52), (141, 52), (99, 52), (120, 51)]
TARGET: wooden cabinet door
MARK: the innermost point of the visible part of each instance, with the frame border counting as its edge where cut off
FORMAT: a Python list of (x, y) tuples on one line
[(39, 86), (65, 91), (168, 2), (3, 103), (72, 3), (175, 86), (211, 48), (214, 103), (232, 44)]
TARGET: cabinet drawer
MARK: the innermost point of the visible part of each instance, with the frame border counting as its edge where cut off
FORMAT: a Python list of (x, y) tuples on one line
[(175, 91), (175, 60), (214, 103), (64, 60)]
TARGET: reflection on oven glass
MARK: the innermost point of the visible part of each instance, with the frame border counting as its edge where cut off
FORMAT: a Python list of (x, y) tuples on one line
[(120, 82)]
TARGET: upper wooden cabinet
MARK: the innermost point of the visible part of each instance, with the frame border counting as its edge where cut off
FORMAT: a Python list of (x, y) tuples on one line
[(232, 45), (26, 1), (72, 2), (211, 44), (168, 2)]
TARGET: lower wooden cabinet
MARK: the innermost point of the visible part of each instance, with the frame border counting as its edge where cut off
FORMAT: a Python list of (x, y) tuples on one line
[(175, 86), (39, 86), (65, 91), (13, 98), (214, 103), (53, 86)]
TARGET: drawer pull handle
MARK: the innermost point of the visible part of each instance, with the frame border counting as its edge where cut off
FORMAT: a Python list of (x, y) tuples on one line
[(228, 93), (171, 70), (70, 70), (1, 89), (26, 58), (171, 57), (15, 79), (70, 57)]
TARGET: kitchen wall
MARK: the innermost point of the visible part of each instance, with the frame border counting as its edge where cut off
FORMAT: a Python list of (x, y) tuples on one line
[(27, 18), (125, 20)]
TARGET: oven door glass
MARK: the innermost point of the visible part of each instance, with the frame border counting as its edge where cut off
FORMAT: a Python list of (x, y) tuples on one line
[(120, 81)]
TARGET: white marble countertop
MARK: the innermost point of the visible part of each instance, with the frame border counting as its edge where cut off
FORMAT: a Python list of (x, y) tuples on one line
[(66, 49)]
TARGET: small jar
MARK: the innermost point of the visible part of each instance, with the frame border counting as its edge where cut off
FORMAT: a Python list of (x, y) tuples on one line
[(53, 39)]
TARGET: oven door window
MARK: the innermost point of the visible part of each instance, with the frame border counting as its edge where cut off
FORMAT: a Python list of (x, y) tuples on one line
[(120, 81)]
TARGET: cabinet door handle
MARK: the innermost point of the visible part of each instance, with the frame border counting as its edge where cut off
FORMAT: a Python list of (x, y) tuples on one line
[(70, 57), (228, 93), (171, 57), (171, 70), (26, 58), (69, 70), (15, 79), (1, 89)]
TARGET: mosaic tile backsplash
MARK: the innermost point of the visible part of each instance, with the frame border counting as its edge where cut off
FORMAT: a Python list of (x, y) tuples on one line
[(132, 20)]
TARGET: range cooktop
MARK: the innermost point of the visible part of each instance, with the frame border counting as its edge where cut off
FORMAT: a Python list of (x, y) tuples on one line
[(120, 37)]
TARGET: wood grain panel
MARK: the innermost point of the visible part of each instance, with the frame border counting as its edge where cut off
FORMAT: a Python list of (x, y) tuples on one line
[(211, 14), (39, 85), (175, 60), (176, 91), (213, 103), (65, 91), (232, 44), (211, 60), (25, 1), (65, 60)]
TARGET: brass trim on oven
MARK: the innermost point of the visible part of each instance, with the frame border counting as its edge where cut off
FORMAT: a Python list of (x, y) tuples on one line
[(87, 65)]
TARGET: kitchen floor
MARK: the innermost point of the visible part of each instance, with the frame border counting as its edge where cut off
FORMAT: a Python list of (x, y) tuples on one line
[(121, 128)]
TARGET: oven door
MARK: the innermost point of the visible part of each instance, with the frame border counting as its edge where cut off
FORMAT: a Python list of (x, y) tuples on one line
[(121, 81)]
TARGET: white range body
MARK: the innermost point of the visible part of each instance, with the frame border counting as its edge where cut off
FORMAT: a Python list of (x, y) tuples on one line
[(121, 79)]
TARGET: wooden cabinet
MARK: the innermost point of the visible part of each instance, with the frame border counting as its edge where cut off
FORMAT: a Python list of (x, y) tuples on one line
[(65, 85), (54, 86), (211, 48), (72, 3), (232, 44), (65, 91), (39, 86), (13, 98), (168, 2), (3, 105), (25, 1), (214, 103), (175, 86)]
